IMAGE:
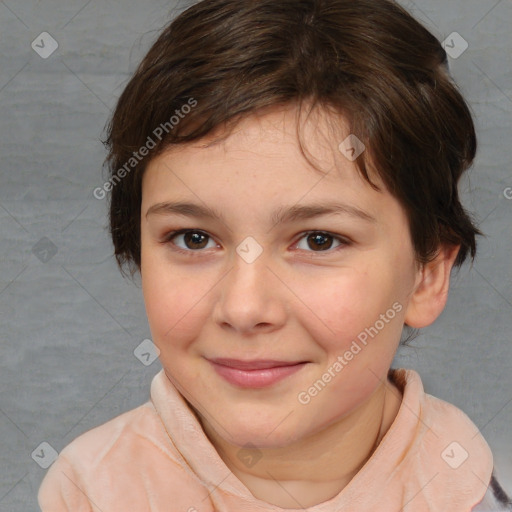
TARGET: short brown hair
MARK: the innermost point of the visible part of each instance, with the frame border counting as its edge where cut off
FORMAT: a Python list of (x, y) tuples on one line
[(368, 60)]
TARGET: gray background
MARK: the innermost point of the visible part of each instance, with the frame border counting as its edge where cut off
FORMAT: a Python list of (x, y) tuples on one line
[(69, 323)]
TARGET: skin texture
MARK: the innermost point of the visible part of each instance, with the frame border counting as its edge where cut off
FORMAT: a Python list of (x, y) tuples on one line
[(295, 302)]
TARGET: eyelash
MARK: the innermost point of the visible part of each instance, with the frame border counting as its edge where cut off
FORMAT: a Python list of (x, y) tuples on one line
[(167, 240)]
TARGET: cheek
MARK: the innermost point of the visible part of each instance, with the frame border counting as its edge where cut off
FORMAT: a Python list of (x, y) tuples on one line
[(359, 317), (344, 306), (172, 301)]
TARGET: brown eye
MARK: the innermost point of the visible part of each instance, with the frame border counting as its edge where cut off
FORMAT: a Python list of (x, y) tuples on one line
[(189, 240), (319, 241), (194, 240)]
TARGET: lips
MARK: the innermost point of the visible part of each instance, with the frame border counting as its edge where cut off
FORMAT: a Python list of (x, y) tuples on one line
[(257, 373), (260, 364)]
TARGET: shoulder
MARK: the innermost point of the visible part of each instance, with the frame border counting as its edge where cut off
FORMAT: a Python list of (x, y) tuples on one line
[(450, 445), (495, 499), (90, 448), (113, 461)]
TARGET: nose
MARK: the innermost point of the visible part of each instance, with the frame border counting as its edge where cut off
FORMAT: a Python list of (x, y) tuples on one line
[(251, 298)]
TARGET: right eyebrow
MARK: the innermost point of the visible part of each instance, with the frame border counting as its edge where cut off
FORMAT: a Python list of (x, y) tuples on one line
[(185, 209)]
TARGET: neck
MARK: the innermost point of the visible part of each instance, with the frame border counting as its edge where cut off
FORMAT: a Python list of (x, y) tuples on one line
[(317, 468)]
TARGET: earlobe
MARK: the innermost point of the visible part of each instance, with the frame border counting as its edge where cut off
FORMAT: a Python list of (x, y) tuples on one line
[(431, 289)]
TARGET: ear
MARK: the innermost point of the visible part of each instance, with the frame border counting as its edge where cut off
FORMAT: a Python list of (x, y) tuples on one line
[(431, 289)]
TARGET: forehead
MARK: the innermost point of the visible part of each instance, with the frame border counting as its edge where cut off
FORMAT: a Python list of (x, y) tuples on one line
[(316, 142), (258, 166)]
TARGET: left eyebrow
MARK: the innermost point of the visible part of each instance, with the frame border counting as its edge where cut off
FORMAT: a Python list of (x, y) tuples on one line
[(311, 211), (279, 216)]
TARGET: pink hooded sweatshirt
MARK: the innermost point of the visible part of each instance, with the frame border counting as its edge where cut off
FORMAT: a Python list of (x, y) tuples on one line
[(157, 458)]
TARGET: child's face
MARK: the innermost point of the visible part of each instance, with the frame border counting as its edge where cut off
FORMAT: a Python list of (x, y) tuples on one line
[(295, 302)]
